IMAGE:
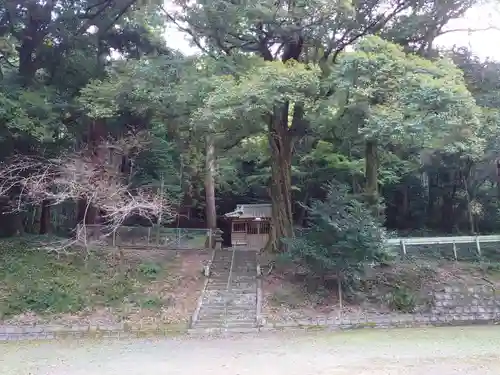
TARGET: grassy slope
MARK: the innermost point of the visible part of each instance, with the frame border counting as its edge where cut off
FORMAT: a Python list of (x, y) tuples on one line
[(70, 287)]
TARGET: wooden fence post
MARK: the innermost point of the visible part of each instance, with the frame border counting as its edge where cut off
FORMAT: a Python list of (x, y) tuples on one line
[(478, 246), (403, 249)]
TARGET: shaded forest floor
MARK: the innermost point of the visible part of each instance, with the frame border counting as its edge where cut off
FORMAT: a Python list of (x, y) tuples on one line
[(397, 287), (102, 288)]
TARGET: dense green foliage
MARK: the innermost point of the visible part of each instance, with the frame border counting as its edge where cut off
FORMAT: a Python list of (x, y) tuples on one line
[(282, 99), (342, 237)]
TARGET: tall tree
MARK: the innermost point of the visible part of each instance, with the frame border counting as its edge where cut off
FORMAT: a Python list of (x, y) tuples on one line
[(308, 31)]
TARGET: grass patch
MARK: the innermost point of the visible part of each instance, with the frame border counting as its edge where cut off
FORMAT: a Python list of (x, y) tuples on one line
[(39, 282)]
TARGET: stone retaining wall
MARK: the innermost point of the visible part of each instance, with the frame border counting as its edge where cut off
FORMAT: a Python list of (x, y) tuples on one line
[(48, 332), (452, 306)]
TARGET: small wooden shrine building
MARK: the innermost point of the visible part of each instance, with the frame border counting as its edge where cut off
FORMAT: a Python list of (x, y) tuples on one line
[(250, 225)]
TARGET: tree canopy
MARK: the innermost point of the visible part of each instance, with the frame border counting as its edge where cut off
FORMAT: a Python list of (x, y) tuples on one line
[(283, 99)]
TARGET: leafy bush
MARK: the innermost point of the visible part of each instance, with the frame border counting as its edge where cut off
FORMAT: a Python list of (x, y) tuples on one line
[(150, 270), (402, 299), (342, 237), (44, 297)]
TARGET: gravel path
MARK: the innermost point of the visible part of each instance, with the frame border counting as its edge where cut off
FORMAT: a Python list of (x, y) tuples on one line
[(433, 351)]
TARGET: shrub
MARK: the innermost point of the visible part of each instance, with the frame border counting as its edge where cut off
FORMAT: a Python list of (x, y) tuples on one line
[(342, 237), (150, 270), (402, 299)]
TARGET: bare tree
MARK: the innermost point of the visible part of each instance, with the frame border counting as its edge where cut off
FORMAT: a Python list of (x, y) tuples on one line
[(76, 176)]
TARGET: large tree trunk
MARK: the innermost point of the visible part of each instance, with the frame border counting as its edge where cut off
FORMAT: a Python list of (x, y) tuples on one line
[(16, 219), (281, 144), (211, 214), (98, 155), (27, 68), (281, 136), (371, 172), (448, 219), (45, 218), (210, 210)]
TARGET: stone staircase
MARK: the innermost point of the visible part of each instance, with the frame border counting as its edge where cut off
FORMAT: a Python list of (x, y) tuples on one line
[(229, 301)]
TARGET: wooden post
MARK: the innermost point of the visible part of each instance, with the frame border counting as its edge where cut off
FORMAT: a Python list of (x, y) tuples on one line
[(478, 246), (339, 286), (161, 212), (403, 249), (121, 259)]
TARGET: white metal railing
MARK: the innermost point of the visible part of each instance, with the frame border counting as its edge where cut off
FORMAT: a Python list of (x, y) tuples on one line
[(475, 240)]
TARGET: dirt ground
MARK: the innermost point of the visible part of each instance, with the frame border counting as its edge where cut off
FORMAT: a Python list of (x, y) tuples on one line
[(433, 351), (287, 296)]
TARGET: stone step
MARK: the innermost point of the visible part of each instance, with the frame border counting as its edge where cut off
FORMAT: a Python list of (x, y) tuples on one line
[(246, 319), (244, 264), (241, 313), (229, 301), (242, 291), (218, 286), (214, 292), (209, 325), (243, 282), (241, 323), (232, 306), (235, 307), (213, 308), (212, 318), (222, 323), (201, 331), (222, 315), (244, 329), (213, 311), (244, 316), (250, 266), (229, 293)]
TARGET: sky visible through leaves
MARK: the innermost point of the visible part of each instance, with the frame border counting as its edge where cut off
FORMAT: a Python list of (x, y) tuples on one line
[(484, 21)]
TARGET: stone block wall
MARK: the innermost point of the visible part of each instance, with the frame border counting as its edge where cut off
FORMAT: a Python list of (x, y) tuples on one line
[(480, 302), (451, 305)]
